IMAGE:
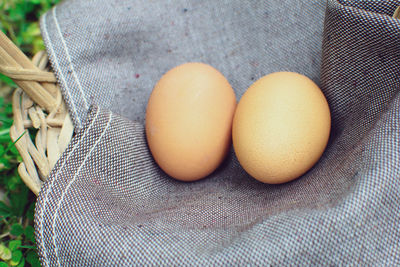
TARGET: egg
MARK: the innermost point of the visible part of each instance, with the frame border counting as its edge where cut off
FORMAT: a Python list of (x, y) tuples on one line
[(189, 121), (281, 127)]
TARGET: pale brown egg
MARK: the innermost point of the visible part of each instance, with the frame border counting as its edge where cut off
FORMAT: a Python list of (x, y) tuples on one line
[(281, 127), (189, 121)]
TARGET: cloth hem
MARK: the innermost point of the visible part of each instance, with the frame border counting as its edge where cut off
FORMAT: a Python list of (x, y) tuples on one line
[(62, 61), (47, 188)]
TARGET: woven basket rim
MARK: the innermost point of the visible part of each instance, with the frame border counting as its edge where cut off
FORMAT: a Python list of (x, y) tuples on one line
[(37, 104)]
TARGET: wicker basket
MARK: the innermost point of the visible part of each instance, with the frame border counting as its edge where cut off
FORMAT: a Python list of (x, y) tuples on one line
[(38, 105)]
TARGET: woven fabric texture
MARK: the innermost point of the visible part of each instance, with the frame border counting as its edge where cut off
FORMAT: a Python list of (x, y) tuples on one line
[(107, 203)]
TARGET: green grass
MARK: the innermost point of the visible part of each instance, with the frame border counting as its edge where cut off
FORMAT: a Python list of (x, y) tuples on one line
[(19, 21)]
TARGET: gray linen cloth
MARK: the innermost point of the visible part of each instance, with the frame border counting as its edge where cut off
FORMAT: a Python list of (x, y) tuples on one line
[(107, 203)]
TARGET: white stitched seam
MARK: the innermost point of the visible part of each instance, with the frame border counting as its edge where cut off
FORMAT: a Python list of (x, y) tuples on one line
[(51, 186), (70, 183), (61, 73), (69, 57)]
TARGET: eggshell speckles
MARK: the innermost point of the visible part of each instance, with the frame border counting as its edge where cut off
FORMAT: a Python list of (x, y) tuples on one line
[(189, 121), (281, 127)]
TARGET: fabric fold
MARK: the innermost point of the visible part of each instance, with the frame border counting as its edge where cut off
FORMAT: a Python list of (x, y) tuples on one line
[(107, 203)]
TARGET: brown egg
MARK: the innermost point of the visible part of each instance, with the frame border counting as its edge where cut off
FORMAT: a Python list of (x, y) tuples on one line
[(281, 127), (189, 121)]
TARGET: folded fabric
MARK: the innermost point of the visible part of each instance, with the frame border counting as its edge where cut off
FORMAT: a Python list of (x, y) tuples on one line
[(106, 203)]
